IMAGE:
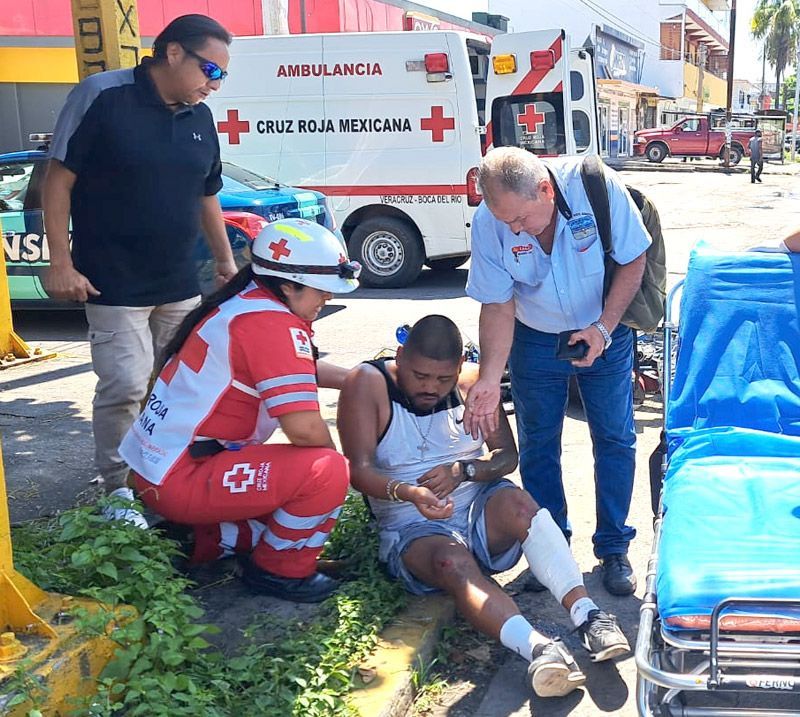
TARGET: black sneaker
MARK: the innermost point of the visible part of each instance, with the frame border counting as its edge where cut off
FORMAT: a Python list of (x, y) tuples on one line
[(602, 637), (553, 671), (618, 577), (314, 588)]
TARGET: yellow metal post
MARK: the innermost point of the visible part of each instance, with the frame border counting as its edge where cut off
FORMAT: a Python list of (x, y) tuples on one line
[(13, 350), (106, 35), (38, 627)]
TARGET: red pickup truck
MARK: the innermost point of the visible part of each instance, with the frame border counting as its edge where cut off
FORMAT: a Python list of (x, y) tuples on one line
[(691, 137)]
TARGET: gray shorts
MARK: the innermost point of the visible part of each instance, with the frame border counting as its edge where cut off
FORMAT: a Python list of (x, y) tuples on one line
[(467, 527)]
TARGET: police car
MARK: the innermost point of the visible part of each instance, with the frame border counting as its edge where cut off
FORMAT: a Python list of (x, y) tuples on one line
[(249, 201)]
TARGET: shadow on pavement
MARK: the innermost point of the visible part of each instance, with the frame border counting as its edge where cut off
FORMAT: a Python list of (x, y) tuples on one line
[(51, 325), (429, 285), (48, 456)]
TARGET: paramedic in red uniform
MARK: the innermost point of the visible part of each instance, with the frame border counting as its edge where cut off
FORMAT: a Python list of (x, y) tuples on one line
[(242, 364)]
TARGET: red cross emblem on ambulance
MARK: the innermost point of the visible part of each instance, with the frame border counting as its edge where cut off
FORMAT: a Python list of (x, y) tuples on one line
[(530, 119), (233, 127), (437, 123)]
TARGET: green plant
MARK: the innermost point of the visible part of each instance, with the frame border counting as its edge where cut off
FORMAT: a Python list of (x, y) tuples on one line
[(164, 666), (428, 685)]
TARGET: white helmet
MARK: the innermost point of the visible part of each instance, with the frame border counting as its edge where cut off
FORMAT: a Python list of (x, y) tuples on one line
[(305, 252)]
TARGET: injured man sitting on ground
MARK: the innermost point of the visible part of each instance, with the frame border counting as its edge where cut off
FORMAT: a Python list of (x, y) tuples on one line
[(445, 513)]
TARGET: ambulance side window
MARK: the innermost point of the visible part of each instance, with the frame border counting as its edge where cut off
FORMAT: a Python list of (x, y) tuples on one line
[(576, 86), (582, 129), (534, 122)]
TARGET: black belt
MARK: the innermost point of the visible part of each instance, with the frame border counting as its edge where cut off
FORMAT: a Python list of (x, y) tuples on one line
[(202, 449)]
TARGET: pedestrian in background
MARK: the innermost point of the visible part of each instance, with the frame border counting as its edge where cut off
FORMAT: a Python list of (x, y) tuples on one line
[(756, 157), (135, 162), (538, 269)]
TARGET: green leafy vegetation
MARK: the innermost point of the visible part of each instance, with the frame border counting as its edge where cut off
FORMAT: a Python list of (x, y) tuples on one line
[(164, 664)]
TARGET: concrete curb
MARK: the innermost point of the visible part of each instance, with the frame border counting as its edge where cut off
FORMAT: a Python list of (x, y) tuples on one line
[(635, 166), (409, 639)]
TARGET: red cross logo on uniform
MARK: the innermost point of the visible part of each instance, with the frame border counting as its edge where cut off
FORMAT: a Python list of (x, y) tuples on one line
[(239, 477), (531, 119), (279, 250), (437, 123), (233, 127), (301, 337)]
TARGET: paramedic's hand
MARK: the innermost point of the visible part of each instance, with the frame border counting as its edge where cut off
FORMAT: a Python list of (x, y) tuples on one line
[(429, 505), (66, 283), (481, 415), (592, 336), (442, 480), (225, 271)]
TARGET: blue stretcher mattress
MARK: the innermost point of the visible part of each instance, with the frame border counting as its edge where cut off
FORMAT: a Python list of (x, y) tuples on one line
[(739, 344), (731, 498), (731, 524)]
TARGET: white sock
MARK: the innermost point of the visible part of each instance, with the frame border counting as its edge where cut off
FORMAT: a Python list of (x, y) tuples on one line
[(549, 556), (579, 612), (518, 635)]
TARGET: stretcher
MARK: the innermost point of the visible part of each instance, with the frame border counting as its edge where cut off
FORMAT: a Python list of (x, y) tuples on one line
[(719, 630)]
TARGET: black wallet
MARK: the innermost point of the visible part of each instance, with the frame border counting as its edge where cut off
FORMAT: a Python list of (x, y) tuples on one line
[(567, 352)]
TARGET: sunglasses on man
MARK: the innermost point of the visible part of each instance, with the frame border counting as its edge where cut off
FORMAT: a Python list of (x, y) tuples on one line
[(210, 69)]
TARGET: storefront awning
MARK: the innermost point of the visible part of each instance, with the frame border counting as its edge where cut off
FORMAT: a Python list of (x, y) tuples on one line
[(626, 88)]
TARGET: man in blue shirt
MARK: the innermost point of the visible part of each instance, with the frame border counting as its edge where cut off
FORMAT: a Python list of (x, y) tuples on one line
[(537, 269), (135, 162)]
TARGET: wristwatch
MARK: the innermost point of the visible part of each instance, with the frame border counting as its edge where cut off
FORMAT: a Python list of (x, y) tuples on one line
[(469, 469), (603, 332)]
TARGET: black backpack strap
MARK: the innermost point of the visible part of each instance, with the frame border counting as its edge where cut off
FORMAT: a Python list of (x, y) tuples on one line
[(594, 184)]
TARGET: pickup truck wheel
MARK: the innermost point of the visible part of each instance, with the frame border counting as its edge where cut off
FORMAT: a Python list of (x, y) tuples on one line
[(656, 152), (389, 250), (736, 155)]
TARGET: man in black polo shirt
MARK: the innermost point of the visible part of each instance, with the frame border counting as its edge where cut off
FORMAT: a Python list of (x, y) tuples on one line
[(135, 162)]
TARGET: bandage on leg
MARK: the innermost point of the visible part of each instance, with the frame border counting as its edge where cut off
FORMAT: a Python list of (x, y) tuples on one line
[(549, 557)]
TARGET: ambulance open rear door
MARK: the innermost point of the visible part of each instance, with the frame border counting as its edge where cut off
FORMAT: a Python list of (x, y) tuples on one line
[(541, 95)]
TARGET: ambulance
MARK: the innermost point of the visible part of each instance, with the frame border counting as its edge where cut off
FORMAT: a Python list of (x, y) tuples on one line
[(391, 127)]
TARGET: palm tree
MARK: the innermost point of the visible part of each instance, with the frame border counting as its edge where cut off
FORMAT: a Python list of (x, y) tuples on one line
[(777, 23)]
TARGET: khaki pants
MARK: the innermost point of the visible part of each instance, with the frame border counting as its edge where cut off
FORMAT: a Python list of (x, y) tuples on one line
[(125, 341)]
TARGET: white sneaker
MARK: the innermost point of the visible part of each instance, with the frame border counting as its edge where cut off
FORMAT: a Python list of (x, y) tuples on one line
[(131, 515)]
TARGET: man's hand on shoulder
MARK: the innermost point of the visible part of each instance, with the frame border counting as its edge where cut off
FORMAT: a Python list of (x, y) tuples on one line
[(65, 283), (442, 480)]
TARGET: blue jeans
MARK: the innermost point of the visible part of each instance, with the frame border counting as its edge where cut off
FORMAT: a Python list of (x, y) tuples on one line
[(540, 387)]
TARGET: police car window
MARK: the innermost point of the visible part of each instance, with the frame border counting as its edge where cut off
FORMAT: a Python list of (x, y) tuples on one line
[(14, 180), (576, 87), (534, 122), (582, 129), (233, 173)]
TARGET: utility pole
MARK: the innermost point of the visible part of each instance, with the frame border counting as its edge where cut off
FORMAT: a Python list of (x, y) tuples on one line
[(701, 61), (796, 97), (106, 35), (729, 102)]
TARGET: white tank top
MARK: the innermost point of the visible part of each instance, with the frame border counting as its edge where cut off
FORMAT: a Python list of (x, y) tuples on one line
[(399, 453)]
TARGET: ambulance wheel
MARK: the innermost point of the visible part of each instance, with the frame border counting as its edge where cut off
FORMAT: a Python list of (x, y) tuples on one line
[(389, 250), (451, 262)]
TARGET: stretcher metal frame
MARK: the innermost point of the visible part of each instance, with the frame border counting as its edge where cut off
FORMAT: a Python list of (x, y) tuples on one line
[(671, 664)]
